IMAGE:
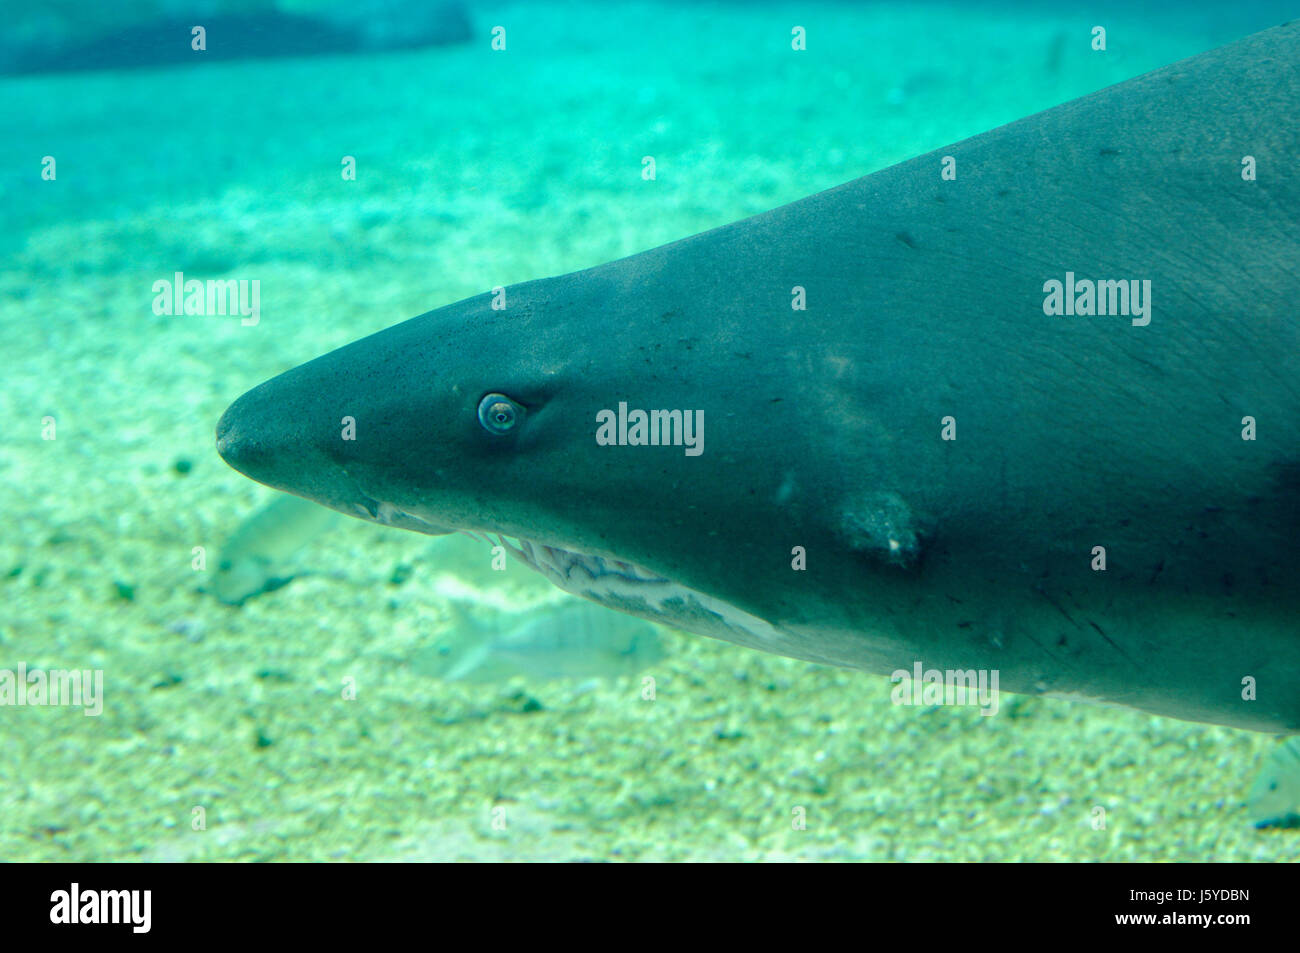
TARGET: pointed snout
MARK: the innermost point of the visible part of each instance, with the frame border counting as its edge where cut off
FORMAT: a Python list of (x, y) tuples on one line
[(289, 434), (240, 445), (274, 434), (252, 438)]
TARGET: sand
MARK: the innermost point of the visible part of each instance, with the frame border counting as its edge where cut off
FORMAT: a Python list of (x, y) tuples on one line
[(477, 169)]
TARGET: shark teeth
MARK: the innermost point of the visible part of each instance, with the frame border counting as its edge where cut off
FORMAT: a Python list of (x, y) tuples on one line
[(562, 564), (634, 589)]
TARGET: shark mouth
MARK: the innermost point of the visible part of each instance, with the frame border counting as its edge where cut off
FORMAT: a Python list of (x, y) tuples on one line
[(638, 591), (614, 583), (583, 574)]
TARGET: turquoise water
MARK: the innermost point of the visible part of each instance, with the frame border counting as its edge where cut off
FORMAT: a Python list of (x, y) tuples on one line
[(295, 725)]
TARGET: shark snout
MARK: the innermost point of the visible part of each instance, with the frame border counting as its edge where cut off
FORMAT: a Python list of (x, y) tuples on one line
[(261, 435), (245, 447)]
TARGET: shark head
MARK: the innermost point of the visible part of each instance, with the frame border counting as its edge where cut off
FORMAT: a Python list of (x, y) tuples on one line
[(519, 425), (431, 425)]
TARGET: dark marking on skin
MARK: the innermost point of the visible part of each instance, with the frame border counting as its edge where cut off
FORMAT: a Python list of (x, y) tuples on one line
[(1046, 650), (906, 239), (1145, 363), (1160, 567), (1056, 605), (1111, 643)]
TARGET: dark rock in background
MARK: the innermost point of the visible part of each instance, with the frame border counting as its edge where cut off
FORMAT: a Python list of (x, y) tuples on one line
[(61, 37)]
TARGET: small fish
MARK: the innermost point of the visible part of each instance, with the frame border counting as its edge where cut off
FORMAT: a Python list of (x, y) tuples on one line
[(253, 558), (1274, 798), (571, 639)]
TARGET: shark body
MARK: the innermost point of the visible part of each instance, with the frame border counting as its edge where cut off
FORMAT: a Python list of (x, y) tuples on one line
[(942, 457)]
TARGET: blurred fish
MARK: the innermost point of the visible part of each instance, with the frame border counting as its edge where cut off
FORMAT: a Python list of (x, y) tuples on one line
[(573, 639), (1274, 798), (254, 558)]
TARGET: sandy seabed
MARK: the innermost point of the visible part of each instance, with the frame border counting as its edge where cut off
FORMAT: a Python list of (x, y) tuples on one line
[(477, 169)]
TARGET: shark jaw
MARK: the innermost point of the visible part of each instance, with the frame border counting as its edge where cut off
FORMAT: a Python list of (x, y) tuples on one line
[(627, 587)]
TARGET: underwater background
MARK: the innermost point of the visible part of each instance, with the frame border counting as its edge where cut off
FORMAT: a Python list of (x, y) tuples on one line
[(362, 693)]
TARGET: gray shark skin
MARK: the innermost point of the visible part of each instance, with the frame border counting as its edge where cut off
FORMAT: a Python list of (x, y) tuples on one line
[(823, 427)]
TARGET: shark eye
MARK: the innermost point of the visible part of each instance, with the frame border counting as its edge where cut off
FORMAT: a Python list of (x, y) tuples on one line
[(499, 414)]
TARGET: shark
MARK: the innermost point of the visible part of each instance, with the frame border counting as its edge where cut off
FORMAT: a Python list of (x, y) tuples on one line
[(1028, 404)]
